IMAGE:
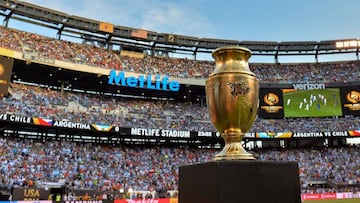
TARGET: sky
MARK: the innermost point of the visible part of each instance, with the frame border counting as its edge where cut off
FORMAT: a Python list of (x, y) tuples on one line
[(242, 20)]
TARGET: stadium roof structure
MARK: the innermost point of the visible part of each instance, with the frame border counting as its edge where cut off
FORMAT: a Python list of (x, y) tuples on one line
[(146, 40)]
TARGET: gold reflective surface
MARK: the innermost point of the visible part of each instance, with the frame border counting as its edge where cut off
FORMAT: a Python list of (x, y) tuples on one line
[(232, 96)]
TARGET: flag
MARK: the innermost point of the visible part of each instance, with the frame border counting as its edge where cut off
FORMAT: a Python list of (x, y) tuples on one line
[(43, 121), (6, 66), (106, 27), (354, 133), (139, 33), (105, 128)]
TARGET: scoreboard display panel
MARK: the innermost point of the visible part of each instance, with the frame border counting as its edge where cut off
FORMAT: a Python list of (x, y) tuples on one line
[(312, 103)]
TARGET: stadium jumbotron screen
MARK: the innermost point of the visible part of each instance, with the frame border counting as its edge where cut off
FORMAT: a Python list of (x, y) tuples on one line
[(312, 103)]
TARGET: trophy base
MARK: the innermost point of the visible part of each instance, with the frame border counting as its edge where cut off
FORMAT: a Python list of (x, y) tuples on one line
[(239, 181), (234, 151)]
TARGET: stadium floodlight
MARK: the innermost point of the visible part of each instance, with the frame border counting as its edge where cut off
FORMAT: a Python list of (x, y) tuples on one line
[(347, 44)]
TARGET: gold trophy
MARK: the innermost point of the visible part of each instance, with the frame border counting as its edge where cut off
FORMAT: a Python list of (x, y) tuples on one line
[(232, 96)]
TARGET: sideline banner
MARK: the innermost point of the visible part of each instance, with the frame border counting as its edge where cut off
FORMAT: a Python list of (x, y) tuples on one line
[(331, 196), (160, 200), (28, 194)]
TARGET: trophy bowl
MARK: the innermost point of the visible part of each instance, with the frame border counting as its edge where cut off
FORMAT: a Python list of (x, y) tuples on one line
[(232, 96)]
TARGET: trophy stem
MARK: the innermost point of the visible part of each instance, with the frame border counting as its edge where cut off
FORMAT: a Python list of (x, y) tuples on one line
[(233, 149)]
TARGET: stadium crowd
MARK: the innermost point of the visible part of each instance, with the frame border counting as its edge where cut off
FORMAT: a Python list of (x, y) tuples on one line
[(155, 169), (136, 167), (34, 44), (34, 101), (111, 168)]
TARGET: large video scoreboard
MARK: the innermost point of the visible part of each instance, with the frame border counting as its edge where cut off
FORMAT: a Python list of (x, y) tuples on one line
[(309, 100)]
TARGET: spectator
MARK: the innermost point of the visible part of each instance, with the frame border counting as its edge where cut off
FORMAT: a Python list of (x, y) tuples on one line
[(34, 44)]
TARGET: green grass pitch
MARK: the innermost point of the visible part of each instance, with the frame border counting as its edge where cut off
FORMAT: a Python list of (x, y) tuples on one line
[(295, 104)]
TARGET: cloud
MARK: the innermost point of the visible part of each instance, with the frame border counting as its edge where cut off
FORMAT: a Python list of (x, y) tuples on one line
[(170, 17), (155, 15)]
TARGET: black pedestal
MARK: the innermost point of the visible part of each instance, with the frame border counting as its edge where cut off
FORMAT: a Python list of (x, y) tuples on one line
[(240, 181)]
